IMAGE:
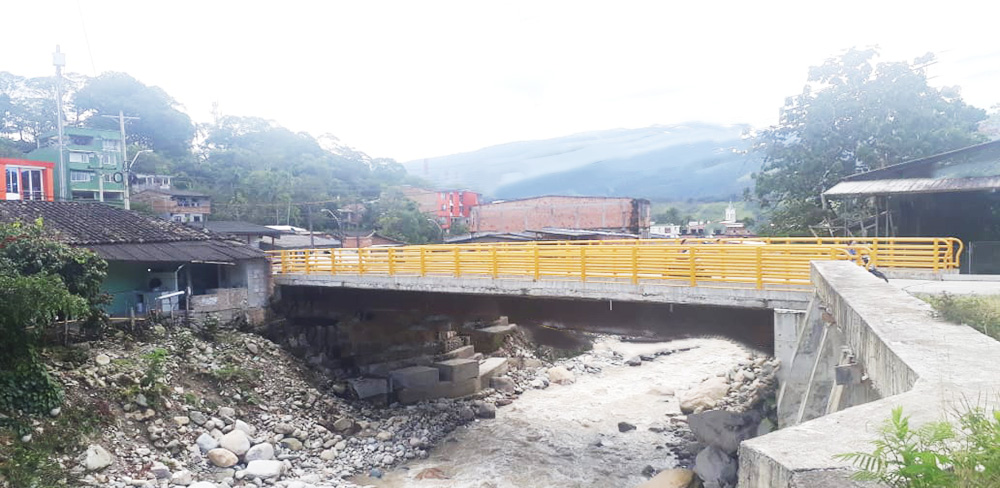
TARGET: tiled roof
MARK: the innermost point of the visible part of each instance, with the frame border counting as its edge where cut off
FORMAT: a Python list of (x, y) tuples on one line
[(81, 223)]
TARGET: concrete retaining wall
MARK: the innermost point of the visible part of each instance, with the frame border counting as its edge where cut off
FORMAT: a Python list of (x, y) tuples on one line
[(913, 360)]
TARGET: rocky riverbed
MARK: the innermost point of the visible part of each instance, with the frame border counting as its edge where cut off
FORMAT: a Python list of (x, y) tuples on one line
[(239, 411), (609, 417)]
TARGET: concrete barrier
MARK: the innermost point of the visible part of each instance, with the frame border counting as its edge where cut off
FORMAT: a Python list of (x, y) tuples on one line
[(911, 359)]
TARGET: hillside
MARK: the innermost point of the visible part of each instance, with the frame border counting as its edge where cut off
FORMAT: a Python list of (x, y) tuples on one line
[(659, 163)]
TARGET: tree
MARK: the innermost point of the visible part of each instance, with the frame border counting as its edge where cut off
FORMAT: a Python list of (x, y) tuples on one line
[(40, 281), (854, 115), (161, 125), (399, 218)]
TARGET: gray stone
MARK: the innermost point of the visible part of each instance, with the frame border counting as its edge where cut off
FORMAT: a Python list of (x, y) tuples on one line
[(625, 427), (503, 384), (102, 359), (486, 410), (206, 442), (368, 387), (328, 455), (704, 396), (236, 441), (203, 484), (561, 376), (159, 470), (197, 417), (291, 443), (634, 361), (182, 477), (226, 412), (248, 429), (260, 452), (463, 352), (715, 467), (269, 469), (253, 348), (222, 458), (97, 458), (343, 424), (283, 428), (722, 429)]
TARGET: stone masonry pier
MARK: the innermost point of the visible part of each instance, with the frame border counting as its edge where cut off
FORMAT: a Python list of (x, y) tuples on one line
[(864, 341)]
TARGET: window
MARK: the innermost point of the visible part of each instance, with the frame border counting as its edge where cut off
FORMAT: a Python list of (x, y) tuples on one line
[(81, 140), (113, 196), (177, 217), (84, 195), (80, 176), (31, 181), (79, 157), (12, 181), (196, 218), (110, 145)]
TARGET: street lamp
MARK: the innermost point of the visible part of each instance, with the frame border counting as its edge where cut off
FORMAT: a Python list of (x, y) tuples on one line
[(128, 173)]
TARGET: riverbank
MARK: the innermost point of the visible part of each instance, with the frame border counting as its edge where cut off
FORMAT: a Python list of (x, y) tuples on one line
[(614, 425)]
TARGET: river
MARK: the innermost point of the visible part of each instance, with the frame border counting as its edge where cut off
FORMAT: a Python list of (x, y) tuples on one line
[(567, 435)]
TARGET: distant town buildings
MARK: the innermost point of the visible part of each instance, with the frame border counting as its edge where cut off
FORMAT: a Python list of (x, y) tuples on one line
[(96, 171), (627, 215), (177, 205), (446, 206)]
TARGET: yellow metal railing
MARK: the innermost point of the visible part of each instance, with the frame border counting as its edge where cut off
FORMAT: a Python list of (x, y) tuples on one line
[(754, 263)]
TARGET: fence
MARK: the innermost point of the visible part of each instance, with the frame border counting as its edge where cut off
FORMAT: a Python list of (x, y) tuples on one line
[(775, 263)]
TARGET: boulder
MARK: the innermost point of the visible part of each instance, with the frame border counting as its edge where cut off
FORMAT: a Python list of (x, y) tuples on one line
[(206, 442), (670, 478), (561, 376), (222, 458), (97, 458), (236, 441), (715, 468), (724, 430), (625, 427), (260, 452), (268, 469), (704, 396), (503, 384), (291, 443), (486, 410), (634, 361), (182, 478)]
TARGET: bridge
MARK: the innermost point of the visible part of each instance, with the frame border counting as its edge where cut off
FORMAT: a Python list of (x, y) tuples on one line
[(770, 273)]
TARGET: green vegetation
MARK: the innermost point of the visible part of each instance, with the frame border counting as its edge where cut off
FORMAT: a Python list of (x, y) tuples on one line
[(852, 115), (936, 455), (36, 464), (40, 281), (979, 312)]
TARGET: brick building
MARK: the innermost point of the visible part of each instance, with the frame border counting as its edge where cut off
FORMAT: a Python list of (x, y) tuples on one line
[(177, 205), (595, 213), (447, 206)]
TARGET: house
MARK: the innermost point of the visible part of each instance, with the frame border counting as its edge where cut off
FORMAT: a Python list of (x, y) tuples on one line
[(155, 264), (300, 241), (142, 182), (447, 206), (27, 180), (954, 194), (590, 213), (176, 205), (247, 232), (94, 164), (365, 238)]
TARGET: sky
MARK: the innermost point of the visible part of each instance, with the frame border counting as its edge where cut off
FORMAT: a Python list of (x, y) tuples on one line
[(416, 79)]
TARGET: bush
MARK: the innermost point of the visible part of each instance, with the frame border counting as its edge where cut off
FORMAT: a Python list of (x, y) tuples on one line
[(979, 312), (936, 454)]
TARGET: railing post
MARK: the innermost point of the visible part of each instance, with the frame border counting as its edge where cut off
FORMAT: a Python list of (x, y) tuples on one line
[(693, 275), (361, 261), (334, 254), (935, 256), (583, 263), (760, 267), (284, 262), (538, 270), (874, 258), (308, 256), (423, 261), (392, 262), (635, 264), (458, 264), (493, 261)]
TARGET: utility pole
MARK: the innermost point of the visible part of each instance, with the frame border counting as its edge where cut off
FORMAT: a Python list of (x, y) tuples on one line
[(59, 60), (312, 238), (121, 125)]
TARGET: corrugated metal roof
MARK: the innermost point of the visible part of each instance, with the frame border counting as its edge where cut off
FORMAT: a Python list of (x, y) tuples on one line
[(183, 251), (911, 185), (230, 227)]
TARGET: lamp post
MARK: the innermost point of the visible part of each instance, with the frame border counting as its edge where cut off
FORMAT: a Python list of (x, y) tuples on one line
[(340, 225), (128, 172)]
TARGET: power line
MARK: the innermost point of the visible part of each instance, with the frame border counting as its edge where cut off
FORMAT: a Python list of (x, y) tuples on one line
[(86, 38)]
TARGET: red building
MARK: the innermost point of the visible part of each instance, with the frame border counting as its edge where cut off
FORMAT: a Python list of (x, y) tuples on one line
[(27, 180), (446, 205)]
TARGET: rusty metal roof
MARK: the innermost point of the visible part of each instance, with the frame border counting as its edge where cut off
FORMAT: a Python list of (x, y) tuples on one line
[(912, 185)]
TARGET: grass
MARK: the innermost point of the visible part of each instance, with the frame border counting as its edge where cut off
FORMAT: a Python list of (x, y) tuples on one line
[(35, 463), (979, 312)]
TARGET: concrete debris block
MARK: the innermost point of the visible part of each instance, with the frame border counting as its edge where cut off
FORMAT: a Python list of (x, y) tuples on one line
[(464, 352), (634, 361), (723, 429), (561, 376), (457, 369), (97, 458), (415, 377), (670, 478), (715, 467), (491, 338), (443, 389), (368, 387), (492, 367), (486, 410), (704, 396)]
